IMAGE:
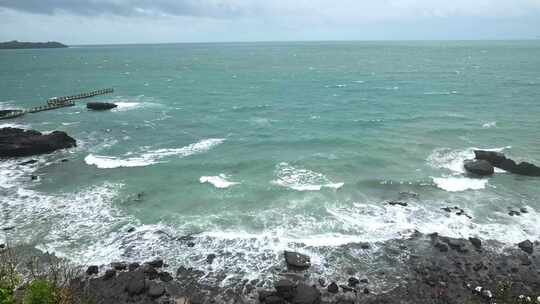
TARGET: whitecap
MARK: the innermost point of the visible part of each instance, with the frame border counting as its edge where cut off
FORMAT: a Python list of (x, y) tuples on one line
[(219, 181), (302, 179), (459, 183), (152, 156), (124, 106), (491, 124)]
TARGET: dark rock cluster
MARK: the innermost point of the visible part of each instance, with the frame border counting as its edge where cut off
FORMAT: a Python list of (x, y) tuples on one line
[(16, 142), (100, 106), (499, 160)]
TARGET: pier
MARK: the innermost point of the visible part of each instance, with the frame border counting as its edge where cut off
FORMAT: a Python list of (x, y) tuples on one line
[(54, 103)]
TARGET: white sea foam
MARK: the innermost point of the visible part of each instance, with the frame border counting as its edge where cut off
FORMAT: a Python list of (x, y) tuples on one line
[(124, 106), (488, 125), (151, 157), (302, 179), (221, 181), (459, 183)]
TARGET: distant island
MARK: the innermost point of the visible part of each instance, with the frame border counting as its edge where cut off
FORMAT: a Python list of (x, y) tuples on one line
[(31, 45)]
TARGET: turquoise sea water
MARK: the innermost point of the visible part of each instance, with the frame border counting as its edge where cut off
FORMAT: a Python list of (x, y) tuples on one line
[(256, 148)]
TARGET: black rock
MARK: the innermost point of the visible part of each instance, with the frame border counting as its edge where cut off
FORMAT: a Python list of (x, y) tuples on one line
[(353, 282), (100, 106), (274, 299), (149, 271), (119, 266), (297, 261), (476, 242), (333, 288), (366, 291), (165, 276), (514, 213), (346, 288), (34, 177), (133, 266), (364, 280), (210, 258), (498, 160), (155, 290), (157, 263), (479, 167), (135, 283), (65, 160), (190, 244), (441, 246), (92, 270), (131, 229), (18, 142), (365, 246), (306, 294), (109, 274), (395, 203), (526, 246), (494, 158), (285, 289), (523, 210)]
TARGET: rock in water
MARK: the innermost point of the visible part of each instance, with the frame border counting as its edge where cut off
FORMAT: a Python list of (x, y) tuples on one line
[(100, 106), (526, 246), (498, 160), (479, 167), (18, 142), (297, 261), (494, 158)]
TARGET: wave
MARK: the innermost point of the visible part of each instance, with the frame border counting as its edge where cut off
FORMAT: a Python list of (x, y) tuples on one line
[(459, 183), (219, 181), (488, 125), (151, 157), (302, 179)]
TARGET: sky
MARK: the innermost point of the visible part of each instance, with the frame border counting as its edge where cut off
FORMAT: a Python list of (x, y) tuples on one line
[(163, 21)]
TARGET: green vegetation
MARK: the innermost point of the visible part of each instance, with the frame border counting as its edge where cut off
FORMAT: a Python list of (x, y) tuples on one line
[(46, 280), (40, 292)]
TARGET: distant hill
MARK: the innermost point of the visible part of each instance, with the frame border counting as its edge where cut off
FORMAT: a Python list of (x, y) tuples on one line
[(31, 45)]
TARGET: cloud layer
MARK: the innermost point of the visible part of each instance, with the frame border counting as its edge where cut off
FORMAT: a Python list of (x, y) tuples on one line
[(245, 20)]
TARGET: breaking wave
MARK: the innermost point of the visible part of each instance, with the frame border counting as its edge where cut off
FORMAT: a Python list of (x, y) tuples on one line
[(151, 157), (302, 179)]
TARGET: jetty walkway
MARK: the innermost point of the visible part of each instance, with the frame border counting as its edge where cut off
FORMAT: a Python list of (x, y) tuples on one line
[(54, 103)]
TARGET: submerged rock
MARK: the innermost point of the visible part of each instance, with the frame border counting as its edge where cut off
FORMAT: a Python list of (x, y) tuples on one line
[(18, 142), (479, 167), (297, 261), (100, 106)]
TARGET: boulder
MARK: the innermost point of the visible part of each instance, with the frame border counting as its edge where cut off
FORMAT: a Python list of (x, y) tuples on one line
[(109, 274), (92, 270), (526, 246), (155, 290), (333, 288), (479, 167), (306, 294), (476, 242), (16, 142), (157, 263), (285, 288), (297, 261), (100, 106)]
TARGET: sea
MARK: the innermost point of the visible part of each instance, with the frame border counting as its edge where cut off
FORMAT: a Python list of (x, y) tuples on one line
[(245, 150)]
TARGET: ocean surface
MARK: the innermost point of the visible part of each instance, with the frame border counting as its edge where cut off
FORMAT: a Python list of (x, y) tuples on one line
[(253, 148)]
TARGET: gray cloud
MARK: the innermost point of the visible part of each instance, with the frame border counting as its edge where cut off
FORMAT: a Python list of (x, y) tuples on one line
[(333, 10)]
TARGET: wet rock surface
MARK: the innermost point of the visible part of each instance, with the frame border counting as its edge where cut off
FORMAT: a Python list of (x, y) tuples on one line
[(499, 160), (16, 142), (437, 269), (479, 167)]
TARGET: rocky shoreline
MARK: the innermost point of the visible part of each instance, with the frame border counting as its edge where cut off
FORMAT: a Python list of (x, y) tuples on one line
[(438, 270)]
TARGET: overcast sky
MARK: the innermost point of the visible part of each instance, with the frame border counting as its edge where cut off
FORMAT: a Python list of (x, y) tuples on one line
[(153, 21)]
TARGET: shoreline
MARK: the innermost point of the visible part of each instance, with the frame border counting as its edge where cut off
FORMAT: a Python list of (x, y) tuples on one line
[(436, 269)]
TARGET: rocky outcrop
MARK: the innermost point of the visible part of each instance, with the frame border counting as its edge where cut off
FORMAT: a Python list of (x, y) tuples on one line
[(297, 261), (479, 167), (16, 142), (499, 160), (100, 106)]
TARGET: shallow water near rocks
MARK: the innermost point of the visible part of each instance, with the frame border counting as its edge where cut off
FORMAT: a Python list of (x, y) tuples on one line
[(258, 148)]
